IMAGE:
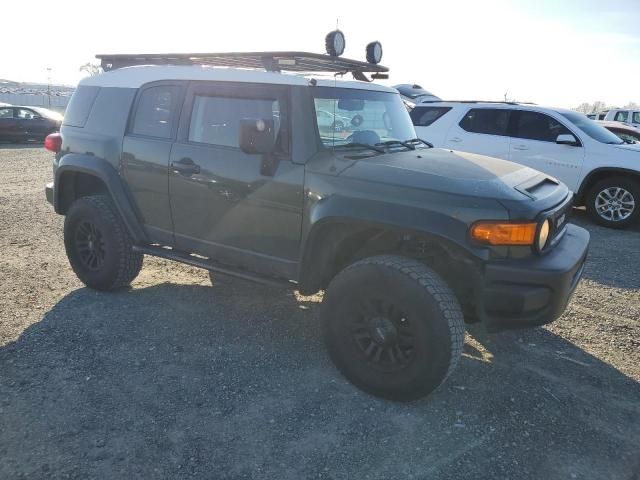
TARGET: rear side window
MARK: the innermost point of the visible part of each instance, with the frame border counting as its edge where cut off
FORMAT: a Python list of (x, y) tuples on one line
[(425, 116), (621, 116), (538, 126), (490, 121), (636, 117), (216, 120), (154, 116), (6, 112), (80, 106)]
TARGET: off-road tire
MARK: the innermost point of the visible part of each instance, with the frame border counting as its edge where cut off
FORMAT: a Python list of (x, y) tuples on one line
[(426, 303), (630, 185), (120, 264)]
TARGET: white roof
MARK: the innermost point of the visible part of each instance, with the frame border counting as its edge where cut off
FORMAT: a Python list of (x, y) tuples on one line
[(135, 77)]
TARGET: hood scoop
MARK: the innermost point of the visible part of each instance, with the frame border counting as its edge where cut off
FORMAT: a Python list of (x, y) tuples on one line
[(539, 186)]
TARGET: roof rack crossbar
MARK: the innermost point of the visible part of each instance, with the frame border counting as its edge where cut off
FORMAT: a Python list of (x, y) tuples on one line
[(271, 61)]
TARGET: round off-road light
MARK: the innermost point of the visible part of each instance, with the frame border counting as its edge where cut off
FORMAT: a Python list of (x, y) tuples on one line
[(335, 43), (543, 235), (374, 52)]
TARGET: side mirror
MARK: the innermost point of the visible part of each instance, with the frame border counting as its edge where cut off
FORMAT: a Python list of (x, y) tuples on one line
[(567, 139), (257, 135)]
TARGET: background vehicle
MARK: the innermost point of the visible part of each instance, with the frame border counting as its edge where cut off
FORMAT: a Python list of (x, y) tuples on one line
[(412, 94), (625, 115), (329, 121), (602, 170), (626, 132), (596, 116), (226, 169), (26, 123)]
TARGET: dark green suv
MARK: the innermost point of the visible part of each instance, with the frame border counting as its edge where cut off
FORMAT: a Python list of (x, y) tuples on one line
[(231, 170)]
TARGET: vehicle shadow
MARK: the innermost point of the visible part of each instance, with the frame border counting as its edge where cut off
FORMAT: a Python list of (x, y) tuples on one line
[(190, 381), (619, 269)]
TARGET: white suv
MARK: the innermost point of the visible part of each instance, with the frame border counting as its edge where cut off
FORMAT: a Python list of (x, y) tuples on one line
[(599, 167)]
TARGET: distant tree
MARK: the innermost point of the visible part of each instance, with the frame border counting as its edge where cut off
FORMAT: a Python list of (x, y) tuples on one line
[(91, 69), (632, 106), (594, 107)]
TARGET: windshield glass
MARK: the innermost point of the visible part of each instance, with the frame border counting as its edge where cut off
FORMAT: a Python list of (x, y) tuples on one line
[(591, 128), (349, 116)]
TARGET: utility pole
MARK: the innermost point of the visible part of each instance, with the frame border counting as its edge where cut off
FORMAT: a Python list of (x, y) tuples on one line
[(49, 84)]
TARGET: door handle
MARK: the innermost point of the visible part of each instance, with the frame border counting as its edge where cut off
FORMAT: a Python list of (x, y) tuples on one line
[(520, 147), (185, 166), (455, 139)]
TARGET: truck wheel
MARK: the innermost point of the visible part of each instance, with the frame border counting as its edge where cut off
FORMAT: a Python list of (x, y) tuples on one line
[(392, 327), (98, 244), (614, 202)]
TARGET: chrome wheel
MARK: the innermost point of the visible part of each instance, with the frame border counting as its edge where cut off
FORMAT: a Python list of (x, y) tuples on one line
[(614, 204)]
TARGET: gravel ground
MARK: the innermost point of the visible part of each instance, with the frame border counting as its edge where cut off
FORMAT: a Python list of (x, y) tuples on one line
[(179, 379)]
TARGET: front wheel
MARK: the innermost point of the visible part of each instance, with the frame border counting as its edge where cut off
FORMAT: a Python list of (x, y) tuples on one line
[(392, 327), (613, 202), (98, 245)]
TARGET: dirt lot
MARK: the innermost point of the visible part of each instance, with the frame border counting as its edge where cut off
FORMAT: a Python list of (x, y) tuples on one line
[(179, 379)]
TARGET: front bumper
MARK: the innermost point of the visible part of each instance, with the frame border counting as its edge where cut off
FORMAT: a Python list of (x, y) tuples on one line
[(535, 291), (48, 191)]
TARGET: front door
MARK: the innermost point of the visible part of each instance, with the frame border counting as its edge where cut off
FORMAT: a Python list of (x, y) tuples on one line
[(224, 204), (534, 144)]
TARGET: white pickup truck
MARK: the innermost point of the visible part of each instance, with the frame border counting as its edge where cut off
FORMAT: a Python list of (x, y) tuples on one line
[(625, 115)]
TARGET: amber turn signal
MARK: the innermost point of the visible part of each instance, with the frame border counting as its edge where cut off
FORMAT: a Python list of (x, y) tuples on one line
[(504, 233)]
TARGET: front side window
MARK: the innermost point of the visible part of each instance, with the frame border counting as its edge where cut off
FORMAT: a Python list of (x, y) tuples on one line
[(636, 117), (628, 137), (490, 121), (621, 116), (25, 114), (351, 116), (154, 114), (425, 116), (6, 112), (216, 120), (538, 126), (591, 128)]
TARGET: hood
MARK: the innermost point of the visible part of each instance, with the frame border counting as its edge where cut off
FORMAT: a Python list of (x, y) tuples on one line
[(449, 171)]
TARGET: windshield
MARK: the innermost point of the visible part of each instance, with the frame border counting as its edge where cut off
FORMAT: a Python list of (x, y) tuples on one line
[(591, 128), (360, 117)]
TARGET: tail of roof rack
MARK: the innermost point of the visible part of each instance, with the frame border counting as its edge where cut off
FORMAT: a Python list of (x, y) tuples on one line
[(270, 61)]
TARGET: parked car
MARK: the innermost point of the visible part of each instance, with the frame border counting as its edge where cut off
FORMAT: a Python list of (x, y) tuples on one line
[(596, 116), (18, 124), (602, 170), (625, 115), (413, 94), (403, 238), (626, 132), (330, 121)]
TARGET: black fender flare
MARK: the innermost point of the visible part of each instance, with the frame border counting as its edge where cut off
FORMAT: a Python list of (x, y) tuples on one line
[(337, 210), (104, 171)]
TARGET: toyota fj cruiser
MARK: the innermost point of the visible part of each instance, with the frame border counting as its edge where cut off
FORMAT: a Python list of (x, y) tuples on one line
[(230, 170)]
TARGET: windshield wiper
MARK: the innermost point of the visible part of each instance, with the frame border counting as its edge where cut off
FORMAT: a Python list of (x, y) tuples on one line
[(419, 140), (389, 143), (361, 145)]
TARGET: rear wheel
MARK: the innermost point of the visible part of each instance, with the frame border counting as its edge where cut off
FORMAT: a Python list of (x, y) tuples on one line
[(98, 245), (614, 202), (392, 327)]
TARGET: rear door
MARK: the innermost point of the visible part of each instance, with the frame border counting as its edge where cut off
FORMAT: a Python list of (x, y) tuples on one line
[(534, 144), (224, 203), (8, 124), (145, 154), (432, 122), (482, 130)]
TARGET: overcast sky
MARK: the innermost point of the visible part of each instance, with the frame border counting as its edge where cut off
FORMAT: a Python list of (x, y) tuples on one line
[(559, 53)]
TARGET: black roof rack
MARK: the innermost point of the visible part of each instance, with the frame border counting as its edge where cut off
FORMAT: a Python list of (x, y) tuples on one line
[(270, 61)]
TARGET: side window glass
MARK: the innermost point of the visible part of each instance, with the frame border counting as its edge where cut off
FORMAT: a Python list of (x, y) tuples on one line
[(490, 121), (6, 112), (216, 120), (24, 114), (621, 116), (425, 116), (154, 114), (538, 126), (636, 117)]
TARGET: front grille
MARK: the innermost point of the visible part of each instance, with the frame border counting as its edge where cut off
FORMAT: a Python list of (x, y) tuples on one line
[(559, 218)]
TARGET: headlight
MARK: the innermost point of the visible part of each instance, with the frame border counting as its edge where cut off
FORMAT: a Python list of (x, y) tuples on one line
[(543, 235)]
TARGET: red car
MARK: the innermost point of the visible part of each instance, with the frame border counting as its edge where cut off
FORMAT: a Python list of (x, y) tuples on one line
[(18, 124)]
